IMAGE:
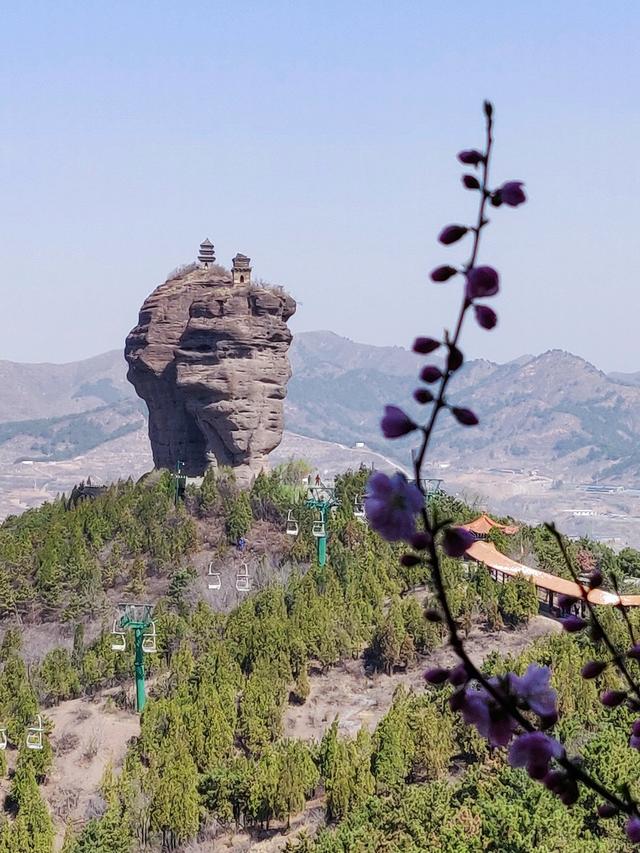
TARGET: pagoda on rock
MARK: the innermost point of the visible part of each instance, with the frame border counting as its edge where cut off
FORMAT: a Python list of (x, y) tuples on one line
[(207, 254)]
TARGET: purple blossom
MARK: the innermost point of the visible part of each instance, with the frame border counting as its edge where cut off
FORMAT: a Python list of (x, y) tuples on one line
[(459, 675), (395, 423), (482, 281), (634, 742), (436, 675), (480, 709), (443, 273), (534, 689), (534, 751), (456, 541), (486, 317), (464, 416), (633, 829), (452, 233), (634, 652), (512, 193), (425, 345), (391, 505), (470, 157)]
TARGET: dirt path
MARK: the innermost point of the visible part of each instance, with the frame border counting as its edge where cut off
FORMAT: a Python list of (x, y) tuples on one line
[(87, 736), (360, 699)]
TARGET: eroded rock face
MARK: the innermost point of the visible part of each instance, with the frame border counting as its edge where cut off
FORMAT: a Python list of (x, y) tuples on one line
[(209, 358)]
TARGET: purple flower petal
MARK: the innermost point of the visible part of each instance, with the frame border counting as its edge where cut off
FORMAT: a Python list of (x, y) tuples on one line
[(481, 282), (512, 193), (573, 623), (633, 829), (391, 505), (593, 668), (396, 423), (534, 750), (534, 688)]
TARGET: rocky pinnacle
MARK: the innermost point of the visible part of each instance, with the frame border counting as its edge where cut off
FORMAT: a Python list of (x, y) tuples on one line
[(209, 358)]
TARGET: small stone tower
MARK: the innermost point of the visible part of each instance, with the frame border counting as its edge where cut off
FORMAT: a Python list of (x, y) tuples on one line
[(241, 269), (207, 254)]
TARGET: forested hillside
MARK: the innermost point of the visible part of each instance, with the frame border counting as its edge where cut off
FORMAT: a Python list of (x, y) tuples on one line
[(211, 753)]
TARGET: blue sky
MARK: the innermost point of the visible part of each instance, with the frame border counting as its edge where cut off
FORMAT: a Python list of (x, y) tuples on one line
[(319, 138)]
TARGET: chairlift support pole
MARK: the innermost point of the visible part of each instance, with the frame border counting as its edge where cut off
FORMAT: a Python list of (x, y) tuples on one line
[(140, 629), (322, 499)]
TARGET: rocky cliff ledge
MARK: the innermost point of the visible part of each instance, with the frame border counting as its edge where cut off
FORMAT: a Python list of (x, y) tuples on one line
[(209, 358)]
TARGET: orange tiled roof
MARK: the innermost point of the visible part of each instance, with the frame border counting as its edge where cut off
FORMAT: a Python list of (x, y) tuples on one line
[(487, 553), (484, 524)]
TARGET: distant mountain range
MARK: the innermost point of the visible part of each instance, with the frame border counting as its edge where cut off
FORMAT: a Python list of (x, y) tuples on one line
[(554, 413)]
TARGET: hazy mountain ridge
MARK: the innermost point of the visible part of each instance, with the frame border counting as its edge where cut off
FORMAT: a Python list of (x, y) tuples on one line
[(555, 412)]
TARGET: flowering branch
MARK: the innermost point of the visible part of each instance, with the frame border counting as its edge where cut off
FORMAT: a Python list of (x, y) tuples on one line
[(497, 706)]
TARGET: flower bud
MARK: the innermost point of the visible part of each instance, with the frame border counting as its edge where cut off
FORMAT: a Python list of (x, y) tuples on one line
[(488, 109), (395, 423), (436, 675), (464, 416), (420, 541), (607, 810), (455, 358), (593, 668), (555, 780), (432, 616), (470, 157), (613, 698), (595, 579), (452, 233), (565, 601), (570, 794), (456, 541), (634, 652), (409, 560), (458, 675), (471, 182), (443, 273), (430, 373), (573, 623), (482, 281), (424, 346), (486, 317), (423, 395)]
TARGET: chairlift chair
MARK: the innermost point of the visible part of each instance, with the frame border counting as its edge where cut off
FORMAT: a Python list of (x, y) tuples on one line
[(358, 509), (318, 529), (34, 735), (292, 524), (149, 645), (118, 641), (242, 578), (3, 737), (214, 578)]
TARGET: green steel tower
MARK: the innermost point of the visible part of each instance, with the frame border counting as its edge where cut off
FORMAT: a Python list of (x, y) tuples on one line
[(137, 619), (322, 499)]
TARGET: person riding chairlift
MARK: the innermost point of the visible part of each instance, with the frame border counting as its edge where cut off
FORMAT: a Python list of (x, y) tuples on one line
[(240, 544)]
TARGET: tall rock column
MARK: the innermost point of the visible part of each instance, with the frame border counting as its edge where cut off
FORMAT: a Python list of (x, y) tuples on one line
[(209, 356)]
